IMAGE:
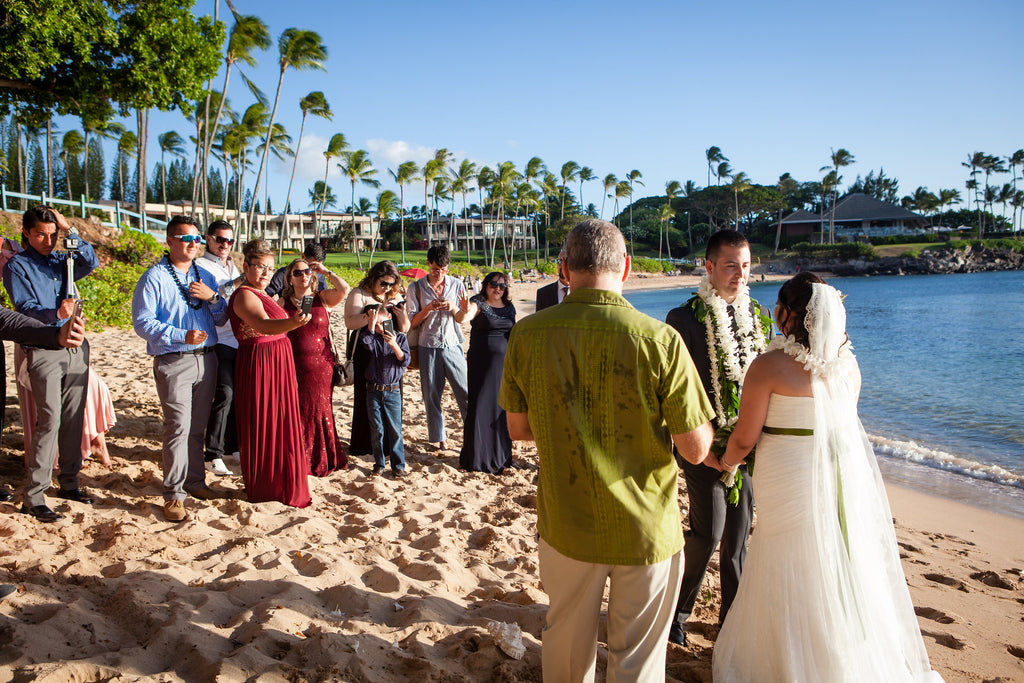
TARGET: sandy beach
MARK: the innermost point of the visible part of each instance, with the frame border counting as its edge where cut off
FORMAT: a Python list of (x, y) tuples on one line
[(380, 580)]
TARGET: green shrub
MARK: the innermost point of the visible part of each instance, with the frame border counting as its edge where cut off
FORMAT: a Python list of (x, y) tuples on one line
[(846, 250), (108, 294), (547, 267), (911, 253), (137, 248)]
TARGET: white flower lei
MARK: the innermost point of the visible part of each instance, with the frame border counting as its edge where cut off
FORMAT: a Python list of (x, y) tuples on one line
[(816, 365), (738, 348)]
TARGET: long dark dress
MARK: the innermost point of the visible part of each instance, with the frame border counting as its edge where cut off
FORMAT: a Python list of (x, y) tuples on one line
[(274, 466), (486, 445), (314, 368), (359, 444)]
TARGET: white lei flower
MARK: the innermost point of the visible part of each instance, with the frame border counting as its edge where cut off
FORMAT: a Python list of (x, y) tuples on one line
[(738, 348), (815, 365)]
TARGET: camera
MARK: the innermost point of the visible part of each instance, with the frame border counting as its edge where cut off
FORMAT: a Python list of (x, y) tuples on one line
[(71, 244), (388, 326)]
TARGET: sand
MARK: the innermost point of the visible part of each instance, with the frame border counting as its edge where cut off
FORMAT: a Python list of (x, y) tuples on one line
[(379, 580)]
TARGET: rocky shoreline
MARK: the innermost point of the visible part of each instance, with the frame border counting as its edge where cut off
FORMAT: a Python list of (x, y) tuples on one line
[(974, 260)]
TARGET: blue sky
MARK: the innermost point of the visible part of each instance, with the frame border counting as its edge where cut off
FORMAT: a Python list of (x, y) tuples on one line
[(911, 86)]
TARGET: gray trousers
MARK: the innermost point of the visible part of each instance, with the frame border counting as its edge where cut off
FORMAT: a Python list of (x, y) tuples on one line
[(437, 366), (59, 379), (185, 385)]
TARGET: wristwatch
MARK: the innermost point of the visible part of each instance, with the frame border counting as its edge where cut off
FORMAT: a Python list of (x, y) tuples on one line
[(216, 298)]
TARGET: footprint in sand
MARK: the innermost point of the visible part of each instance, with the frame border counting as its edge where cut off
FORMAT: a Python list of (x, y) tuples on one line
[(992, 579), (946, 640), (1017, 652), (934, 614), (947, 581)]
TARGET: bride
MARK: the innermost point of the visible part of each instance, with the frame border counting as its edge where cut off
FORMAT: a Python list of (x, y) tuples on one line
[(823, 596)]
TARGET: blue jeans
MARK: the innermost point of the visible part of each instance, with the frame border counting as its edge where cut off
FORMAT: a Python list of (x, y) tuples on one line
[(436, 366), (385, 412)]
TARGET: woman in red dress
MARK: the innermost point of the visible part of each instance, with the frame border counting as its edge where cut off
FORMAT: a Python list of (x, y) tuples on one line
[(314, 363), (274, 466)]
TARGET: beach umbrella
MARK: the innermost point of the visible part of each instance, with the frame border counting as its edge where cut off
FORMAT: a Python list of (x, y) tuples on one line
[(414, 273)]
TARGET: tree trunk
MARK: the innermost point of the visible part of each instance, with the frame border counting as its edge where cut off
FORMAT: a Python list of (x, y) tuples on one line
[(266, 147), (49, 157)]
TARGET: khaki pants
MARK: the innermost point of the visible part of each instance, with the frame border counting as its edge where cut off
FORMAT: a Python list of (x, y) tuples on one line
[(641, 603)]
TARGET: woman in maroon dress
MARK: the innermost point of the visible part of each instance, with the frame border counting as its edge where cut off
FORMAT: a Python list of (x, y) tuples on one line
[(274, 466), (314, 363)]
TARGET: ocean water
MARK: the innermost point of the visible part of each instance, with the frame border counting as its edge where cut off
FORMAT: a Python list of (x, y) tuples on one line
[(942, 362)]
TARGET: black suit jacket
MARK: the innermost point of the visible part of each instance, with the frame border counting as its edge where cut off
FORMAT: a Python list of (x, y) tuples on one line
[(547, 295)]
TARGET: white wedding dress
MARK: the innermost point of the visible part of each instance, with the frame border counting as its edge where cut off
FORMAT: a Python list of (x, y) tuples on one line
[(823, 597)]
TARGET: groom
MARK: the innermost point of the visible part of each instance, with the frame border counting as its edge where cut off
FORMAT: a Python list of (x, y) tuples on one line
[(741, 335)]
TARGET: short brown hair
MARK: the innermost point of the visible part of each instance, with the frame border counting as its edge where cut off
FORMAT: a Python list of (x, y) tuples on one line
[(724, 238)]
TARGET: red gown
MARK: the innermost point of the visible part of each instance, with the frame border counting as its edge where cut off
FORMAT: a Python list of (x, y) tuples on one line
[(314, 368), (274, 466)]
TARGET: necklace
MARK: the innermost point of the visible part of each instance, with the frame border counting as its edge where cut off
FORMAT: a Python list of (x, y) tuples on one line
[(182, 288), (730, 350)]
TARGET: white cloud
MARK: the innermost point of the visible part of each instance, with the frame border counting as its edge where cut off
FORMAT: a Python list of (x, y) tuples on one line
[(311, 161), (391, 153)]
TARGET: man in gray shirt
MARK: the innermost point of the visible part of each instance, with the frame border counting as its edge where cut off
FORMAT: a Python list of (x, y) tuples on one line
[(435, 312)]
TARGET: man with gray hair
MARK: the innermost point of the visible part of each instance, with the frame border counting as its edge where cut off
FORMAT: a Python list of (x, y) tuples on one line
[(605, 391)]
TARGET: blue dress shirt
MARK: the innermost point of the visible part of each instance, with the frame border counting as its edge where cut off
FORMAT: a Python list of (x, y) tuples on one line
[(383, 367), (37, 284), (161, 315)]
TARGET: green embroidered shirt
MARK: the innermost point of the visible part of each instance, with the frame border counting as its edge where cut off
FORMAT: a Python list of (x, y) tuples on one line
[(604, 387)]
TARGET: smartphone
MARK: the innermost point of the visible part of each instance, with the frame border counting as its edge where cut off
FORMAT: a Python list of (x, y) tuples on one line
[(388, 325), (78, 307), (307, 305)]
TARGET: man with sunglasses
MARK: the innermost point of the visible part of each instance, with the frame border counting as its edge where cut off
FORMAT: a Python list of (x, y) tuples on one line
[(221, 433), (174, 308), (41, 284)]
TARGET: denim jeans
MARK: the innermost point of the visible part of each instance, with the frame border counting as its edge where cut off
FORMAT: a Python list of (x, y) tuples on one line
[(385, 413)]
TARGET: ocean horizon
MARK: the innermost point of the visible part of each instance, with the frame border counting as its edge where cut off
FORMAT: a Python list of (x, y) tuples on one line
[(942, 365)]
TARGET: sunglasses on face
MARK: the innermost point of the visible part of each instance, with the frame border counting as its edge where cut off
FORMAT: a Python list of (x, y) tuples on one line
[(497, 285), (223, 240), (386, 283), (300, 272), (188, 239)]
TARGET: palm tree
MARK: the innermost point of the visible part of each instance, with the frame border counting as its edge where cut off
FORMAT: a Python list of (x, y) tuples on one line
[(632, 177), (664, 215), (387, 205), (724, 170), (786, 187), (828, 185), (534, 172), (672, 190), (358, 168), (689, 189), (316, 104), (570, 170), (586, 174), (248, 33), (71, 145), (1013, 161), (840, 159), (992, 164), (108, 130), (714, 156), (126, 145), (974, 162), (407, 171), (170, 143), (505, 179), (462, 182), (610, 181), (622, 190), (335, 148), (300, 49), (485, 179), (740, 183), (321, 195)]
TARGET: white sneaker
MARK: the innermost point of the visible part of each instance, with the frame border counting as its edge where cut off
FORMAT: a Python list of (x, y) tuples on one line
[(217, 466)]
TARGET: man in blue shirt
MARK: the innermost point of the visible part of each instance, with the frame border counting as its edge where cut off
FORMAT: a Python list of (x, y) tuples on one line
[(41, 284), (174, 307)]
